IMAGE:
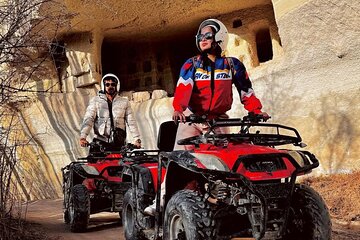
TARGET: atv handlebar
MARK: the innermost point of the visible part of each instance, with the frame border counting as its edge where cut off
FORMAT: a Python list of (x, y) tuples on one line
[(127, 147), (255, 118), (193, 118), (250, 118), (99, 150)]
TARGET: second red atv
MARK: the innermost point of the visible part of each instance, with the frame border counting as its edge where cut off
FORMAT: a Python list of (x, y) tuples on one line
[(92, 185), (235, 185)]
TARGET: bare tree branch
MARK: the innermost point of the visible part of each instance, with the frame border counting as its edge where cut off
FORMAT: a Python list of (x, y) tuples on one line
[(28, 48)]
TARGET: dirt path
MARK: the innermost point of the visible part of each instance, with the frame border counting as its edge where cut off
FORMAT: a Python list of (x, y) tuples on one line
[(48, 213), (340, 233)]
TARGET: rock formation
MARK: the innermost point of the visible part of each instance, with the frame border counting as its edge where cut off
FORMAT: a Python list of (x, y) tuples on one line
[(302, 56)]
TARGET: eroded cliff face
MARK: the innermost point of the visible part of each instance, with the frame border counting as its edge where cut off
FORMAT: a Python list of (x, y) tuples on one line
[(315, 86), (310, 80)]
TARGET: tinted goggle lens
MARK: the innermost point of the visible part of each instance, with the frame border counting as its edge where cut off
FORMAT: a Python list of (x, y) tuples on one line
[(206, 36), (110, 84)]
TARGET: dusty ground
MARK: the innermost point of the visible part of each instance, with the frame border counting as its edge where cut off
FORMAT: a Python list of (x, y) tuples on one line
[(48, 213), (341, 193)]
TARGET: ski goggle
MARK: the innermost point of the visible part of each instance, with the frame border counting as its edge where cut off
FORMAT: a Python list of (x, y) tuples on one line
[(206, 36), (110, 84)]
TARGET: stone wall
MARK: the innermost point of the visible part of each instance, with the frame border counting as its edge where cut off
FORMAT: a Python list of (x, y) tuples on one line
[(315, 86), (242, 41)]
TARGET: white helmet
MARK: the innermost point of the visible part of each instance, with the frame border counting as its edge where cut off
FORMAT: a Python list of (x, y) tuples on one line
[(112, 77), (221, 32)]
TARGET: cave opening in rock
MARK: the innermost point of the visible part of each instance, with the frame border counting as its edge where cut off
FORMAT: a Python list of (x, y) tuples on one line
[(148, 65), (264, 45)]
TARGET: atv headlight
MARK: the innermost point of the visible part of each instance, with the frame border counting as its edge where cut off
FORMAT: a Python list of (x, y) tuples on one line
[(300, 158), (211, 161), (91, 170)]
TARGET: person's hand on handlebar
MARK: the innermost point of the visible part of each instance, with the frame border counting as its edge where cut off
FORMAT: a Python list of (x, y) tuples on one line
[(137, 143), (264, 116), (178, 116), (83, 142), (256, 117)]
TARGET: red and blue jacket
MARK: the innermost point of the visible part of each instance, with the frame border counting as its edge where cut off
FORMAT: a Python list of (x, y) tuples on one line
[(203, 96)]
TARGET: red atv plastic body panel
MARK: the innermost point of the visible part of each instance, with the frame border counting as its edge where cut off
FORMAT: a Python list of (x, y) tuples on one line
[(101, 166), (230, 155), (232, 152)]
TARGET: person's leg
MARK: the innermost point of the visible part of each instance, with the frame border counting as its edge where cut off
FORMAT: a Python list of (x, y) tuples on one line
[(222, 130), (184, 131), (151, 209)]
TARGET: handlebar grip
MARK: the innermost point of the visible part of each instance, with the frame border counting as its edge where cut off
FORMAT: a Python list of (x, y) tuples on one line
[(250, 118), (255, 118), (193, 118)]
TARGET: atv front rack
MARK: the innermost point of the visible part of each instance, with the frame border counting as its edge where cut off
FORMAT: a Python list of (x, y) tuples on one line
[(265, 134)]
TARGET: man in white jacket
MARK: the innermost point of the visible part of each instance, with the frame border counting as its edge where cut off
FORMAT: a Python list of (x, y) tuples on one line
[(108, 114)]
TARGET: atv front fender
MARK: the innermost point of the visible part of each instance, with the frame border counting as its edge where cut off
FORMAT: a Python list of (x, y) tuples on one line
[(179, 177)]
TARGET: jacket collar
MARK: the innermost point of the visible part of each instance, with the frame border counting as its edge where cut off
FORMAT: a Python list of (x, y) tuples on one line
[(102, 95)]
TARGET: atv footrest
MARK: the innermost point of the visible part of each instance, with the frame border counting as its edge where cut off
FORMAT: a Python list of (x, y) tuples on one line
[(122, 187), (118, 200)]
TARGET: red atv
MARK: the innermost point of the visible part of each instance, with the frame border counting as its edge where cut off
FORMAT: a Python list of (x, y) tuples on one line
[(235, 185), (93, 185)]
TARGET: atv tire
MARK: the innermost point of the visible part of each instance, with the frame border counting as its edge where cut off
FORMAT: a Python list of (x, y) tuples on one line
[(131, 228), (188, 216), (79, 208), (66, 216), (66, 190), (308, 217)]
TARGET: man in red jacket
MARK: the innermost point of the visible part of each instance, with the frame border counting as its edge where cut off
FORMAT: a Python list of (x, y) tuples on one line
[(205, 83)]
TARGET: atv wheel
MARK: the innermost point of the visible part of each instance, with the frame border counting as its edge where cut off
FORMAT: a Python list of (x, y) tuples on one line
[(130, 225), (66, 190), (79, 208), (309, 217), (187, 216), (66, 216)]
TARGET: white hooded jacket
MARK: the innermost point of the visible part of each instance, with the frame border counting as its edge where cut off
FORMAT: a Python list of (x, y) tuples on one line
[(97, 116)]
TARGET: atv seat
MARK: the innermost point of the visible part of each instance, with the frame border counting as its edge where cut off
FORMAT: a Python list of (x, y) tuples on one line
[(166, 136)]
